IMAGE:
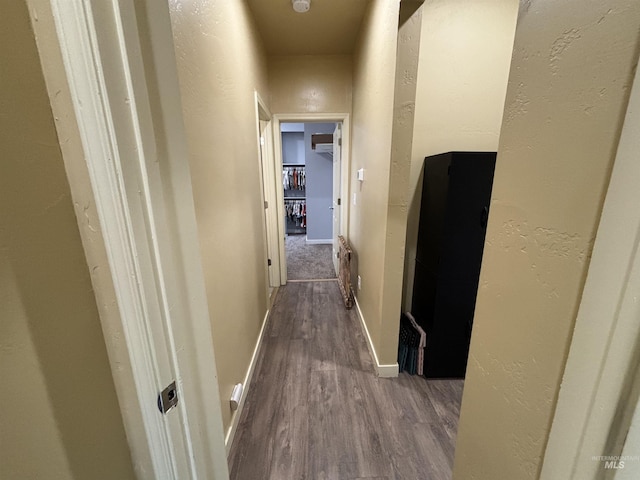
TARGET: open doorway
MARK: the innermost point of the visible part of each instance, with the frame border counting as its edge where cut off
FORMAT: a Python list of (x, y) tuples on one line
[(311, 163)]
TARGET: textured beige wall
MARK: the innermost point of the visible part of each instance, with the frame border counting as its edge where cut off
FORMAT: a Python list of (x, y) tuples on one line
[(372, 220), (597, 376), (310, 83), (406, 75), (568, 89), (60, 417), (220, 64), (465, 52)]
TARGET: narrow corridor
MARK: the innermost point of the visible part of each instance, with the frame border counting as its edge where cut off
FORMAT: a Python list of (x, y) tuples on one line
[(316, 409)]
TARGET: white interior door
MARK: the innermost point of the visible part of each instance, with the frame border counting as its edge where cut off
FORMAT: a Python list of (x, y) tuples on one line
[(269, 204), (337, 162), (266, 204), (270, 182), (135, 154)]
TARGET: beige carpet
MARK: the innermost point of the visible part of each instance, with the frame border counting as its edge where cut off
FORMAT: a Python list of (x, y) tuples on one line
[(307, 262)]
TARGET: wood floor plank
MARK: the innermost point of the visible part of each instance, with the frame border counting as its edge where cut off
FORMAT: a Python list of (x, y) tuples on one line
[(292, 432), (302, 325), (327, 436), (324, 346), (369, 478), (283, 308), (445, 396), (364, 418), (316, 409)]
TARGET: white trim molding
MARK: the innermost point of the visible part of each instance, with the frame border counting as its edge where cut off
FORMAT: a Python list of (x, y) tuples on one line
[(383, 370), (269, 181), (319, 241), (78, 43), (231, 432), (141, 190), (345, 118)]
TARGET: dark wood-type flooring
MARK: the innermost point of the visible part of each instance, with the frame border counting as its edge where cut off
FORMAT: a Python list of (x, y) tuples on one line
[(317, 411)]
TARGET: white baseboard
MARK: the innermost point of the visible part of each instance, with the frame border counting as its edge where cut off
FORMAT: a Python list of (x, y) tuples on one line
[(384, 370), (388, 371), (235, 419), (326, 241)]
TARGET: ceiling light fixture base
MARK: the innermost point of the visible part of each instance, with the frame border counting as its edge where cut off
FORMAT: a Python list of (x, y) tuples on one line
[(301, 6)]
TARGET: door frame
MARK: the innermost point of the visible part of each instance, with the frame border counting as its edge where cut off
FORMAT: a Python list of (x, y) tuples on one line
[(83, 80), (344, 118), (335, 248), (599, 393), (269, 193)]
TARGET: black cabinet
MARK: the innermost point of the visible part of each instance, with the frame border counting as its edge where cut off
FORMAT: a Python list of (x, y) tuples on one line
[(453, 218)]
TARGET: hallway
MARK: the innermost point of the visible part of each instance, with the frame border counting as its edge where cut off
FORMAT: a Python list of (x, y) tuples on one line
[(316, 409)]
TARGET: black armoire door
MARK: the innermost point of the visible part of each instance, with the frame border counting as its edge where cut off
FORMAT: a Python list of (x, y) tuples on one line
[(453, 218)]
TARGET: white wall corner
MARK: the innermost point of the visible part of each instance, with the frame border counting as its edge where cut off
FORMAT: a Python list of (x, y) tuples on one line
[(235, 420), (383, 370)]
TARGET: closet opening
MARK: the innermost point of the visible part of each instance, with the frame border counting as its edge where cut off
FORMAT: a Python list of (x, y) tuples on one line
[(310, 184)]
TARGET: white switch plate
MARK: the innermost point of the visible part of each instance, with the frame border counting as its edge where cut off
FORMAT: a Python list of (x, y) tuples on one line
[(359, 282), (355, 202), (361, 174)]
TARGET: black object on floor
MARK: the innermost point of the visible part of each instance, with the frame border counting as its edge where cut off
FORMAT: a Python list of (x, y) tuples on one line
[(453, 220)]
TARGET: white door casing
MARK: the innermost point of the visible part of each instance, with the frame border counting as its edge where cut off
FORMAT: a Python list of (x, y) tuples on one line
[(119, 64), (269, 182), (336, 204), (265, 182), (342, 118)]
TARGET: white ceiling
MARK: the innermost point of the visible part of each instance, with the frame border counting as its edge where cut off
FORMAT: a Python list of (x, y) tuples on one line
[(330, 27)]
